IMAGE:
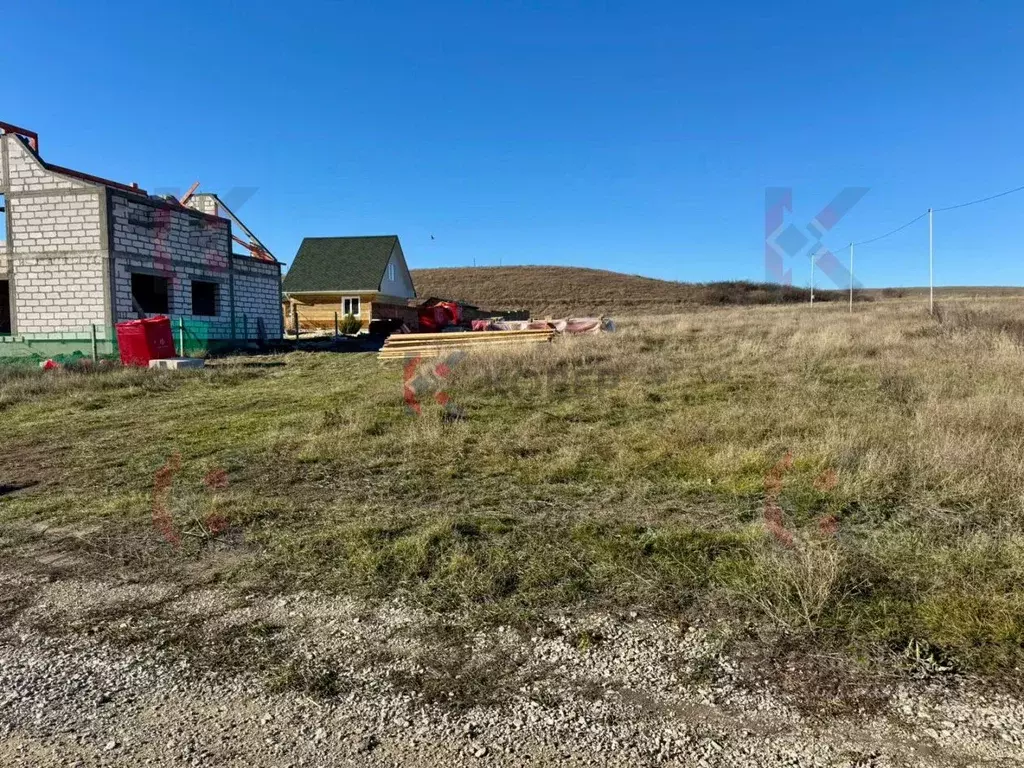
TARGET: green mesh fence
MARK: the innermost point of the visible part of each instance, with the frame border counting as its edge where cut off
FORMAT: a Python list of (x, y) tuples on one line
[(192, 338)]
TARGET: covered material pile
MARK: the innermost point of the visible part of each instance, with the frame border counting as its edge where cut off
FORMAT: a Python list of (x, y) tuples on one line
[(571, 325), (403, 345)]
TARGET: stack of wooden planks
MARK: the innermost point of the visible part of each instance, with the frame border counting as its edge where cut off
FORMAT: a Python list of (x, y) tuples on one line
[(402, 345)]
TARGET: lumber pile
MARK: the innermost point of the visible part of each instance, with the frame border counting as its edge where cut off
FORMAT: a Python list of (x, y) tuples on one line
[(402, 345)]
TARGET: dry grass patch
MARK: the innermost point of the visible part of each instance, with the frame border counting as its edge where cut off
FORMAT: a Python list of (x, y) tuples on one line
[(560, 291), (636, 469)]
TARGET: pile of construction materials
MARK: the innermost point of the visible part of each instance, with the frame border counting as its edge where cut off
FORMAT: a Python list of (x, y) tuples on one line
[(400, 346), (570, 325)]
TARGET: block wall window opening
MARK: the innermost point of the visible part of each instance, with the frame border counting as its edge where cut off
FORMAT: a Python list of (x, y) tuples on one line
[(5, 308), (350, 306), (151, 294), (205, 298), (3, 220)]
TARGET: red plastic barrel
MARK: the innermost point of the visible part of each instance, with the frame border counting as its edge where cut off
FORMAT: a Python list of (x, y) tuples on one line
[(140, 341)]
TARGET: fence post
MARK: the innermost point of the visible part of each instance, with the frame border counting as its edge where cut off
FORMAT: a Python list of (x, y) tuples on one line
[(95, 349), (181, 337), (295, 319), (245, 327), (337, 328)]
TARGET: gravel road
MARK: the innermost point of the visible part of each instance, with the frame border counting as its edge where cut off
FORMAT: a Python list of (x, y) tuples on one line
[(105, 674)]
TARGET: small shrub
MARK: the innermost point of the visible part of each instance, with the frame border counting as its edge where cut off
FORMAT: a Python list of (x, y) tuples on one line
[(794, 586), (350, 324)]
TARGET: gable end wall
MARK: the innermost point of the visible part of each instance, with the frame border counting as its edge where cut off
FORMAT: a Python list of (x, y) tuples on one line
[(55, 249)]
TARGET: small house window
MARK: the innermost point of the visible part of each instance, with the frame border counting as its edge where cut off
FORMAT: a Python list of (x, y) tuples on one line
[(391, 272), (204, 298), (350, 306), (3, 219), (150, 294)]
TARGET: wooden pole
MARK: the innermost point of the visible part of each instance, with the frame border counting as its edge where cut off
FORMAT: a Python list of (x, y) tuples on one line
[(95, 346), (295, 319), (337, 328), (181, 337)]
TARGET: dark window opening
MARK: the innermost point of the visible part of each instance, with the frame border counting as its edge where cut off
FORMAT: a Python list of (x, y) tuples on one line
[(150, 294), (204, 298), (5, 307)]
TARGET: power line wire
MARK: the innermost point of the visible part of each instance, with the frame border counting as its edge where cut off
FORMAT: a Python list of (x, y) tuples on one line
[(892, 232), (937, 210), (981, 200)]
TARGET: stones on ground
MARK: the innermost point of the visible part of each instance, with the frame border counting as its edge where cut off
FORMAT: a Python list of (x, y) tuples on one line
[(367, 744), (646, 694)]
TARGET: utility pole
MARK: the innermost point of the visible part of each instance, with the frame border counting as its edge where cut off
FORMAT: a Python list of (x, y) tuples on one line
[(812, 276), (931, 263), (851, 278)]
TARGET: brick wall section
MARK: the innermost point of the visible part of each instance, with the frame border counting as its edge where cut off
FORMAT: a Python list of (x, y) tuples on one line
[(60, 294), (27, 174), (258, 295), (72, 268), (184, 247), (204, 202), (56, 247), (174, 244), (57, 223)]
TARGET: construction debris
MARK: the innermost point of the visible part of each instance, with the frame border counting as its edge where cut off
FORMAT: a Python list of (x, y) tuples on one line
[(177, 363), (405, 345), (571, 325)]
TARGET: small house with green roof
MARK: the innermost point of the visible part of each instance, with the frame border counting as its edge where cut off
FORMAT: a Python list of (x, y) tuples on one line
[(347, 276)]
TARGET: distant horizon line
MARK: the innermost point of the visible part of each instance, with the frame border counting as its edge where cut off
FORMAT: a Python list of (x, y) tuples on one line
[(990, 286)]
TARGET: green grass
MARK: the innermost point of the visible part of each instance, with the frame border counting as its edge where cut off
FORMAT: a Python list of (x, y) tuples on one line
[(629, 471)]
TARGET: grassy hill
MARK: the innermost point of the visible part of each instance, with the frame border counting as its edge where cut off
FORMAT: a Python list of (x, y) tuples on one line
[(581, 291)]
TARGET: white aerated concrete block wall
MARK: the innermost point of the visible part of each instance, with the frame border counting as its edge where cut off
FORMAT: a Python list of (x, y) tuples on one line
[(56, 247), (258, 297), (175, 244), (204, 202), (27, 174), (74, 245)]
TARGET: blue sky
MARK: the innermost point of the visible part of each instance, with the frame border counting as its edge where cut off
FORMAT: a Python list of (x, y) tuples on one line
[(625, 136)]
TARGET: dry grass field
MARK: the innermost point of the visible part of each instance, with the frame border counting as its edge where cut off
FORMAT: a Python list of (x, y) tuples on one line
[(854, 481), (561, 291)]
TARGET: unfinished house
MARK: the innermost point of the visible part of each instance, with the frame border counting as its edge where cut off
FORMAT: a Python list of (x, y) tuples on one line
[(81, 254), (365, 277)]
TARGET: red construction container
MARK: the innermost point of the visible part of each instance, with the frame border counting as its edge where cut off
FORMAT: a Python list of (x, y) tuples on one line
[(140, 341)]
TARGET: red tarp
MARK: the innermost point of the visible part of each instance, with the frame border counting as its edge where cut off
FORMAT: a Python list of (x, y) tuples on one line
[(439, 316)]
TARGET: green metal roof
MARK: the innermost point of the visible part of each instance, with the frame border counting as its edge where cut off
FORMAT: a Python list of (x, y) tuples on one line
[(339, 264)]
